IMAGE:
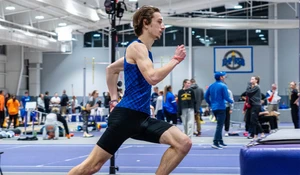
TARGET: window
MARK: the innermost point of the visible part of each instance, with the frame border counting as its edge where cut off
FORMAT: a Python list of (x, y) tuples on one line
[(237, 37), (87, 40), (128, 37), (258, 37), (2, 49), (93, 39), (120, 40), (159, 42), (106, 37), (119, 29), (174, 36), (214, 38), (198, 38), (261, 12)]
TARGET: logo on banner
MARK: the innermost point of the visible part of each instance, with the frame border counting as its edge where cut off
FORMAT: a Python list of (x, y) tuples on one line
[(233, 60)]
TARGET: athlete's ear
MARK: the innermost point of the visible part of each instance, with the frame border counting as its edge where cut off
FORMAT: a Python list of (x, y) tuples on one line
[(145, 23)]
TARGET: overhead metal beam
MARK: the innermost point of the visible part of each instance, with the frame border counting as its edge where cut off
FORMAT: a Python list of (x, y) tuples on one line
[(213, 23), (238, 10), (50, 19), (43, 10), (18, 12), (74, 8)]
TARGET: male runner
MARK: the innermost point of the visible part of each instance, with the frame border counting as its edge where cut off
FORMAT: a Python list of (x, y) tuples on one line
[(131, 117)]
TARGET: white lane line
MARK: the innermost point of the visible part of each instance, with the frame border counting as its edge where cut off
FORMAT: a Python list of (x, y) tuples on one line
[(60, 161), (209, 155), (79, 157), (15, 147), (125, 147), (127, 167)]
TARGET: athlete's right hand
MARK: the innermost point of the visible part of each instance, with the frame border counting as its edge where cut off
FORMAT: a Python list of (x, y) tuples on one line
[(180, 53)]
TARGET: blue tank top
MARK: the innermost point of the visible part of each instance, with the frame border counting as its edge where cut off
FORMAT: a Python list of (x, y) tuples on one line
[(137, 89)]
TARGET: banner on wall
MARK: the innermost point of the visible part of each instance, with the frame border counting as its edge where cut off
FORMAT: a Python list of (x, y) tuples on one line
[(233, 59)]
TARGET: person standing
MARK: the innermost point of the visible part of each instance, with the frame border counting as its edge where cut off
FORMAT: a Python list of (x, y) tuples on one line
[(91, 104), (24, 100), (273, 98), (254, 95), (7, 97), (187, 107), (215, 96), (64, 103), (13, 110), (47, 102), (199, 96), (154, 96), (294, 104), (170, 105), (55, 102), (159, 107), (41, 108), (2, 113), (228, 113)]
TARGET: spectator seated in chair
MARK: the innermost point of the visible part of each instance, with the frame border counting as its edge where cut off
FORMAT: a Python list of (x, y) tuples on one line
[(270, 117)]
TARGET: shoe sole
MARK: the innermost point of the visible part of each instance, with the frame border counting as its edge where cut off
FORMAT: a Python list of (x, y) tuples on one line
[(216, 147)]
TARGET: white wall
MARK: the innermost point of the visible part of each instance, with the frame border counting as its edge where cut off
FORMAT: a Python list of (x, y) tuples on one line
[(35, 59), (60, 71), (2, 71), (288, 44), (13, 68)]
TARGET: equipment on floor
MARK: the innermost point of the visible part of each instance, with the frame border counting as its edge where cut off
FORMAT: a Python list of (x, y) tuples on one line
[(30, 107), (277, 154), (16, 131)]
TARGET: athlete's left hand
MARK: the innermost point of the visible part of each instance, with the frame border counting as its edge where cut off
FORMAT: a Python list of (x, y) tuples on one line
[(112, 105)]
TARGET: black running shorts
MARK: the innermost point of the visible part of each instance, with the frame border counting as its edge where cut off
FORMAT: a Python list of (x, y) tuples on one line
[(124, 123)]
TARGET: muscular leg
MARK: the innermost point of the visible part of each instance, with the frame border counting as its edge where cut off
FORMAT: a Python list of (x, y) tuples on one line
[(180, 145), (92, 163), (109, 142)]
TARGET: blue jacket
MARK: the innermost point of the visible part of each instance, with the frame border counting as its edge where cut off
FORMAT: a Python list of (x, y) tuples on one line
[(216, 94), (170, 104)]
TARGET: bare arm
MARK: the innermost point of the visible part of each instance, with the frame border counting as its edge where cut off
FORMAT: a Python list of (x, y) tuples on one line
[(112, 74), (138, 53), (89, 107), (296, 101)]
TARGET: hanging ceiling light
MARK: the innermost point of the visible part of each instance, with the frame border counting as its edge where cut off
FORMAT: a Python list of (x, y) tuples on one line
[(62, 24), (10, 8), (39, 17)]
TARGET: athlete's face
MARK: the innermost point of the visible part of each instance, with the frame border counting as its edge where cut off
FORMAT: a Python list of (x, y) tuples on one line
[(292, 85), (187, 84), (156, 27), (253, 80), (96, 94)]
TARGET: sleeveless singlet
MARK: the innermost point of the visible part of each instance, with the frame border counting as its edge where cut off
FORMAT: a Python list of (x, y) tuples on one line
[(137, 89)]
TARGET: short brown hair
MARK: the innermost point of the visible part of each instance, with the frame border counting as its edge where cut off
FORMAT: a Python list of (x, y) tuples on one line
[(257, 79), (145, 12)]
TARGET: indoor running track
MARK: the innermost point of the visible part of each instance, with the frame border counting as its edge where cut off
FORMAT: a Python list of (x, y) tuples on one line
[(131, 158)]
